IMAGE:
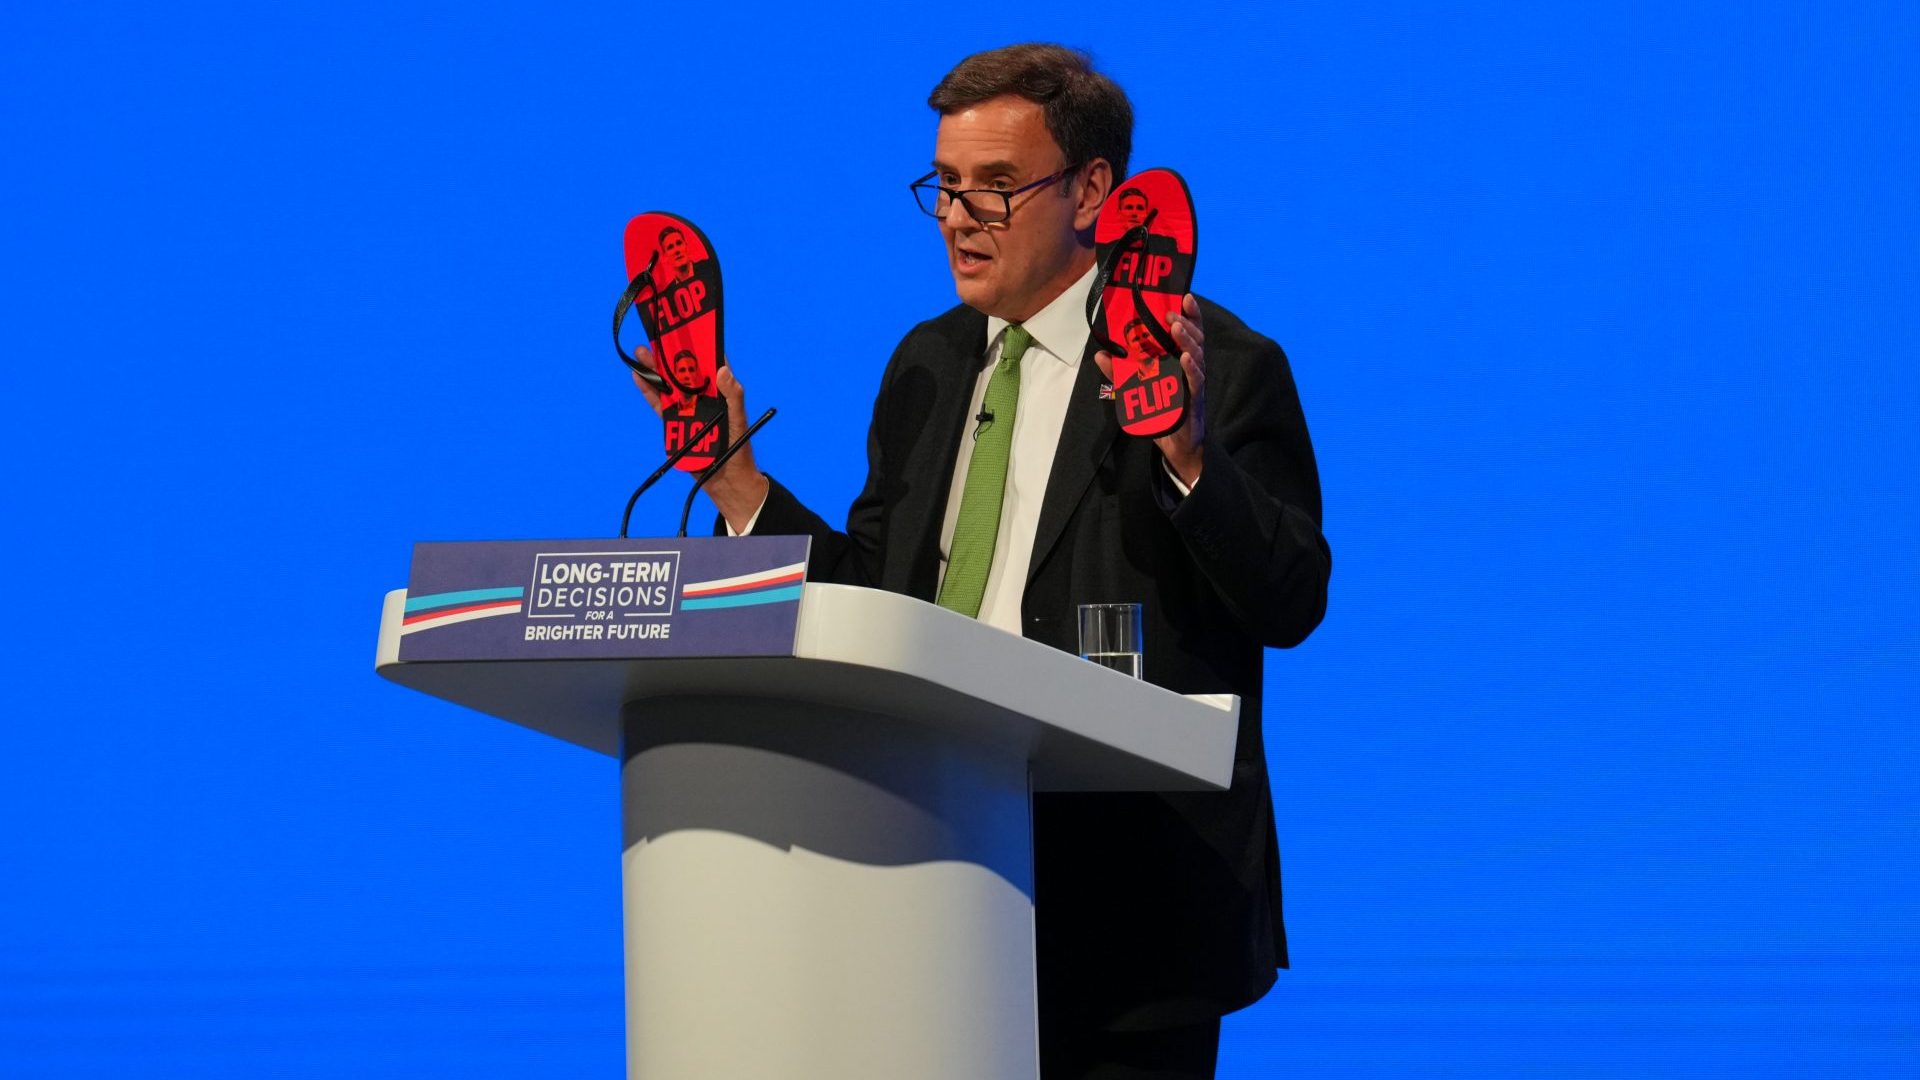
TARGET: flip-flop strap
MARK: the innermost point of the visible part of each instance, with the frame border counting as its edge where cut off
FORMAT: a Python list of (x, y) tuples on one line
[(1159, 332), (641, 282), (1103, 270), (1103, 273), (1134, 238)]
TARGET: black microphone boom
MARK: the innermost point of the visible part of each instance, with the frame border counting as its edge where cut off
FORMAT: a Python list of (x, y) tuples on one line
[(699, 433), (706, 474)]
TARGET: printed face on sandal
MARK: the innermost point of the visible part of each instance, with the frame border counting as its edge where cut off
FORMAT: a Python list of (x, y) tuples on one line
[(1141, 343), (673, 251), (686, 371), (1011, 268)]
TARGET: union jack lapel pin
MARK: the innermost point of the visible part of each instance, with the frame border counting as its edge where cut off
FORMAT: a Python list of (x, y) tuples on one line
[(1106, 391)]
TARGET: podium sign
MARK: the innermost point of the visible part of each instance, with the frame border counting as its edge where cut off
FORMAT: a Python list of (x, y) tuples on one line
[(604, 599), (827, 860)]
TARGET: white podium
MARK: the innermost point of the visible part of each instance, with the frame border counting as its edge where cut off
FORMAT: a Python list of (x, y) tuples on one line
[(828, 860)]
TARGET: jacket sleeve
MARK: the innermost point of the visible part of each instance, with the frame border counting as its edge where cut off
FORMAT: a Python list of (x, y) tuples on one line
[(1252, 523), (850, 557)]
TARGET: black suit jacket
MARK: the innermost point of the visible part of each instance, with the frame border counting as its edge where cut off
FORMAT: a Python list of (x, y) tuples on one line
[(1151, 910)]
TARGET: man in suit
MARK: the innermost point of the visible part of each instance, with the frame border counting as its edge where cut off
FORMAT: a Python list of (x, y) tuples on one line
[(1155, 914)]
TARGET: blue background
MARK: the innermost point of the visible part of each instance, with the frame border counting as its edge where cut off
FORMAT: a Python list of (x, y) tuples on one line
[(1603, 763)]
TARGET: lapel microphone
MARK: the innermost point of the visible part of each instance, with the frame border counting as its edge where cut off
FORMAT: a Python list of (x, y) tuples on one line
[(707, 473), (699, 432)]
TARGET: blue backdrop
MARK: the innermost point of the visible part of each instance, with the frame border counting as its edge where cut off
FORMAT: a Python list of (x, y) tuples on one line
[(1604, 317)]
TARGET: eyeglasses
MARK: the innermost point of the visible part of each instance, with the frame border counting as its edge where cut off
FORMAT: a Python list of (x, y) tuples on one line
[(984, 205)]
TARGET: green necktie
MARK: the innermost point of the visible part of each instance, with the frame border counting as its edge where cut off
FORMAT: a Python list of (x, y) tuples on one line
[(970, 555)]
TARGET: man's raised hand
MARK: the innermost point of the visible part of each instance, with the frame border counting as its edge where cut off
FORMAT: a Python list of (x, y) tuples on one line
[(739, 487)]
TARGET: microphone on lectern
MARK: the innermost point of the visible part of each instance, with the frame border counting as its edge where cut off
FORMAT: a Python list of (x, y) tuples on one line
[(699, 433), (707, 473)]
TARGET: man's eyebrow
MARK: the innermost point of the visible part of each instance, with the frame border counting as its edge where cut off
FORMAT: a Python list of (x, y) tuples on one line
[(991, 168)]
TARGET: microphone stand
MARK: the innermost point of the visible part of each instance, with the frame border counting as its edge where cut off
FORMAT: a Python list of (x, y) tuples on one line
[(707, 473), (699, 432)]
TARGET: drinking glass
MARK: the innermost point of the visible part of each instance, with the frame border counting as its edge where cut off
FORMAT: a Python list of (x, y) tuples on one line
[(1110, 635)]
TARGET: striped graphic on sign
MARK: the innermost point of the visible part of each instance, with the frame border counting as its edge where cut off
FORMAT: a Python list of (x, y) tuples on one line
[(743, 590), (466, 605)]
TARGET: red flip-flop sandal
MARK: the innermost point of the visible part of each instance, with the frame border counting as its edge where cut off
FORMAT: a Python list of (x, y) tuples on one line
[(674, 282), (1144, 241)]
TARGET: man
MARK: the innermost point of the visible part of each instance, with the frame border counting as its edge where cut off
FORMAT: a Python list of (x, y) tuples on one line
[(1133, 207), (1154, 914)]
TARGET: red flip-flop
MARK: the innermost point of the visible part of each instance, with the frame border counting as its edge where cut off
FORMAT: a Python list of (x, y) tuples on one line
[(1144, 242), (674, 283)]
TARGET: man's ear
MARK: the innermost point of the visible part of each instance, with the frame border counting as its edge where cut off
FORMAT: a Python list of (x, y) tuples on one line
[(1096, 183)]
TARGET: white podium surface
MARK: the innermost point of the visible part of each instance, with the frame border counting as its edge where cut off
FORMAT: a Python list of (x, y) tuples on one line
[(827, 860)]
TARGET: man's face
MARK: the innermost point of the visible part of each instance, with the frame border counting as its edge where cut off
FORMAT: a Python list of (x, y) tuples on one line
[(686, 370), (1133, 209), (1140, 341), (674, 247), (1013, 268)]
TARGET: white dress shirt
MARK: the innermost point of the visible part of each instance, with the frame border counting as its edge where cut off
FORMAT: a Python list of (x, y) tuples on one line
[(1048, 370), (1047, 373)]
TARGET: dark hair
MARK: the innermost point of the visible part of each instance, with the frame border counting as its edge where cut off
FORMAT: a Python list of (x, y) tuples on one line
[(1133, 191), (662, 238), (685, 352), (1087, 113)]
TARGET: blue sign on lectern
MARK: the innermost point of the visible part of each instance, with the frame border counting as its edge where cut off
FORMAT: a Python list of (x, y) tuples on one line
[(604, 599)]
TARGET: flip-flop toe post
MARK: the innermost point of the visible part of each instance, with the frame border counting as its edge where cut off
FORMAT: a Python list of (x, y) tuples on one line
[(674, 284), (1144, 241)]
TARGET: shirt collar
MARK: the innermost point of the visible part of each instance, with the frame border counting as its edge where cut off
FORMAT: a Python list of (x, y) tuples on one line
[(1059, 329)]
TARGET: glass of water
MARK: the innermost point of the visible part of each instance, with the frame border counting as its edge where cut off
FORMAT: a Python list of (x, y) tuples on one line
[(1110, 635)]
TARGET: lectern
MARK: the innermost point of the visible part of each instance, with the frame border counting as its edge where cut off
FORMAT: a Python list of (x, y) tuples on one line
[(827, 858)]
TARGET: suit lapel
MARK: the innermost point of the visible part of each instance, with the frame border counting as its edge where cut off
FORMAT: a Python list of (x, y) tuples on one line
[(953, 365), (1085, 438)]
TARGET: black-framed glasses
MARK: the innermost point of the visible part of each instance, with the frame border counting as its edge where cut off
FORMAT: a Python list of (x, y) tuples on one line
[(984, 205)]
